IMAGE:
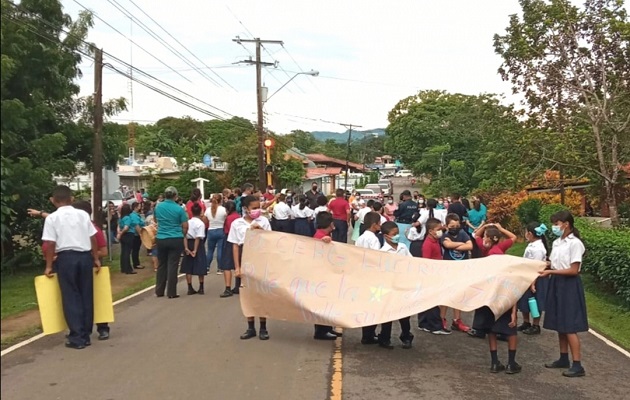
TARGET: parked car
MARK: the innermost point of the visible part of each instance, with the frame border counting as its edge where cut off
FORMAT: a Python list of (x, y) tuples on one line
[(369, 194), (404, 173), (376, 188), (387, 186)]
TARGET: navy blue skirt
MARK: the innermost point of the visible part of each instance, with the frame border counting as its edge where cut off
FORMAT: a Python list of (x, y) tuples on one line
[(302, 227), (542, 285), (227, 261), (565, 304), (485, 322), (197, 265)]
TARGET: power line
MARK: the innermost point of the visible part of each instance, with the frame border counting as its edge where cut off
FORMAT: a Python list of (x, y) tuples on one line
[(155, 36), (125, 36), (180, 43)]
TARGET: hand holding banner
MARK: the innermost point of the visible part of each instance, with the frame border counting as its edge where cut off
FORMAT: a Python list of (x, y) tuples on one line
[(294, 278)]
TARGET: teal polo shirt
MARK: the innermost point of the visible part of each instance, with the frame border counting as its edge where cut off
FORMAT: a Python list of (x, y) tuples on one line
[(170, 217), (136, 220)]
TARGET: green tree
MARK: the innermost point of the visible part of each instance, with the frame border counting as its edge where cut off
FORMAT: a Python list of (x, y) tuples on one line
[(289, 173), (301, 140), (572, 65)]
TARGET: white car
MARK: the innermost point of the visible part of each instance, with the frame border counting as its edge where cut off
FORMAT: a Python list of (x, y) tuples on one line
[(369, 194), (116, 198), (404, 173)]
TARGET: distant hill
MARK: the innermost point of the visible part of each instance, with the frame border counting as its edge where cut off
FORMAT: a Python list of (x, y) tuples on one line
[(322, 136)]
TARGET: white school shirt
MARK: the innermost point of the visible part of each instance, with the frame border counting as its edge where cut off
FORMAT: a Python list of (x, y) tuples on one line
[(196, 229), (282, 211), (383, 219), (424, 217), (240, 226), (400, 250), (70, 229), (362, 212), (565, 252), (536, 251), (413, 234), (368, 241), (319, 209), (218, 220), (307, 212)]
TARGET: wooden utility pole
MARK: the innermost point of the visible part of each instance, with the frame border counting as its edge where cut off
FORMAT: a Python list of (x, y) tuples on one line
[(349, 126), (262, 179), (97, 155)]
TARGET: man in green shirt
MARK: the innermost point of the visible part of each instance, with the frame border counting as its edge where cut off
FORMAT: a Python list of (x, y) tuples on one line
[(172, 227)]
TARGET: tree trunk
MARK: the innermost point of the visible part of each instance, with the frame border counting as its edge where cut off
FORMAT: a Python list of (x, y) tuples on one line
[(611, 200)]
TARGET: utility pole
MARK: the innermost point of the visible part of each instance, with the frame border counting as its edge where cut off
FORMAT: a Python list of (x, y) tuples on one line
[(259, 102), (97, 156), (349, 126)]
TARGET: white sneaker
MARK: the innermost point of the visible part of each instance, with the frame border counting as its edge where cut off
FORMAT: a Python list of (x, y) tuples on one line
[(441, 332), (219, 272), (423, 329)]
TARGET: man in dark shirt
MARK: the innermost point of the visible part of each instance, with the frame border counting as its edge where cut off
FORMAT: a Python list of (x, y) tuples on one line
[(406, 209), (456, 207), (312, 196)]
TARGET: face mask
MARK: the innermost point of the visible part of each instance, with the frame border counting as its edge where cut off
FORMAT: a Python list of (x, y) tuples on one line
[(254, 214), (395, 238), (557, 230), (288, 194), (390, 201), (438, 234), (440, 202), (314, 188), (453, 231), (421, 201)]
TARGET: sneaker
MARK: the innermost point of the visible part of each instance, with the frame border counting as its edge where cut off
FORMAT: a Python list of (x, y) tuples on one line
[(574, 372), (423, 329), (219, 272), (235, 290), (441, 332), (459, 325), (558, 364), (191, 291), (476, 334), (513, 369), (497, 367), (532, 330), (226, 293), (522, 327)]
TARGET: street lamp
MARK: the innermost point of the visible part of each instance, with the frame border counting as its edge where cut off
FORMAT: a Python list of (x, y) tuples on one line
[(311, 73)]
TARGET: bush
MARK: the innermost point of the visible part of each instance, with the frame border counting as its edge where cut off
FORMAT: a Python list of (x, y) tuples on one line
[(572, 200), (529, 211)]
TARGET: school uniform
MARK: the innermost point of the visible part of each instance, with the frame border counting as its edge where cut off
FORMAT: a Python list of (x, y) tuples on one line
[(227, 261), (282, 215), (431, 320), (197, 265), (360, 216), (238, 229), (126, 244), (322, 331), (368, 240), (535, 251), (316, 211), (71, 230), (136, 221), (565, 303), (302, 225), (405, 323), (416, 241)]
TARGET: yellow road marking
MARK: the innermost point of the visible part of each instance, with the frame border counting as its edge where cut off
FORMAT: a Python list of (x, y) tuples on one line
[(336, 383)]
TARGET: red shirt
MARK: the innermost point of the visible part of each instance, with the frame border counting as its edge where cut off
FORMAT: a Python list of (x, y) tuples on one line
[(431, 249), (228, 222), (320, 234), (189, 208), (497, 249), (339, 208), (268, 196)]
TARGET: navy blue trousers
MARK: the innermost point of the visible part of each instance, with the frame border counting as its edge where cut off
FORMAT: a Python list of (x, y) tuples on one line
[(76, 280), (340, 234)]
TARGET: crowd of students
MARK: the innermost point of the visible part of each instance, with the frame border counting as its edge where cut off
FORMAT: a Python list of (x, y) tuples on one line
[(438, 229)]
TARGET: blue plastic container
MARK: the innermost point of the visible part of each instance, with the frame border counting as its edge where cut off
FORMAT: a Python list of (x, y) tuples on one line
[(533, 307)]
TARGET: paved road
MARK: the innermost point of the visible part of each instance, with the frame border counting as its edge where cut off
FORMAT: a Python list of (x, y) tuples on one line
[(188, 348)]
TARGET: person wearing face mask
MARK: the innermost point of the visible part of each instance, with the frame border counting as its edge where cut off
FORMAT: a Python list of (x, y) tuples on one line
[(252, 219), (303, 217), (565, 308), (312, 196), (392, 244), (405, 213), (390, 208), (440, 205), (421, 202), (457, 246)]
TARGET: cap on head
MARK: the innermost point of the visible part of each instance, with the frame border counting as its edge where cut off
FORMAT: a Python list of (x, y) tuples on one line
[(283, 191)]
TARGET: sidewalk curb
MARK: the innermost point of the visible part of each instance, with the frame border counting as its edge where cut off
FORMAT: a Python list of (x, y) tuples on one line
[(41, 335)]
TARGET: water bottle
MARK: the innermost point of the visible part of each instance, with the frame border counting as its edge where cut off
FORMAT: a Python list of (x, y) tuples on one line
[(533, 307)]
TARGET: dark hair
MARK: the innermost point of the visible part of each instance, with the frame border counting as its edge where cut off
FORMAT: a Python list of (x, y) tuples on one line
[(247, 200), (531, 228), (237, 192), (433, 223), (248, 186), (195, 195), (370, 219), (230, 207), (370, 203), (377, 206), (135, 205), (466, 203), (83, 205), (125, 210), (282, 197), (62, 194), (456, 196), (195, 209), (323, 220), (494, 234), (322, 200), (388, 227), (302, 199), (147, 205), (340, 193), (566, 216), (452, 217), (477, 205)]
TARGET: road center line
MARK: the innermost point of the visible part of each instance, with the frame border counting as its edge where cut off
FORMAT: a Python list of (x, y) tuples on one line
[(336, 381)]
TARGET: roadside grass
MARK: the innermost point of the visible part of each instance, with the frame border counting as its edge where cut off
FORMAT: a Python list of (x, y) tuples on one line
[(607, 313), (136, 288)]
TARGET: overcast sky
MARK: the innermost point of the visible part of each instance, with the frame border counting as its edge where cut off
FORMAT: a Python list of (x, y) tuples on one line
[(370, 54)]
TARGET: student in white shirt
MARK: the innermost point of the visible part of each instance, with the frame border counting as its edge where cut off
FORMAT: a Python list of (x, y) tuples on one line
[(565, 310), (252, 219), (195, 262), (216, 216), (360, 216), (391, 235), (322, 206), (71, 237), (303, 217), (282, 214), (368, 240)]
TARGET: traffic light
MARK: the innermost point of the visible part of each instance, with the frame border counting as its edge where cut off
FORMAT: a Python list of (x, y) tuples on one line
[(269, 169), (268, 143)]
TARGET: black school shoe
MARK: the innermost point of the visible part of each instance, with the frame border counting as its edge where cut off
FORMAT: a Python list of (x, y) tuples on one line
[(532, 330), (476, 334), (513, 369), (226, 293), (264, 335), (235, 290), (574, 372), (104, 335), (373, 340), (325, 336), (75, 346), (523, 326), (558, 364), (386, 345), (497, 367), (250, 333)]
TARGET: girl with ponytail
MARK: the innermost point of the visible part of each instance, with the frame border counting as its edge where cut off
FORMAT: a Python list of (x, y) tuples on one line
[(536, 250)]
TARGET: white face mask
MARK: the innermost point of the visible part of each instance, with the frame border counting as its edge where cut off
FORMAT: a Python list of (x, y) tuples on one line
[(438, 234), (390, 201)]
